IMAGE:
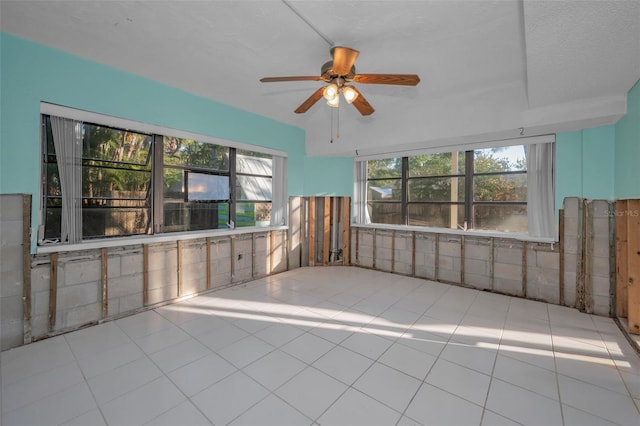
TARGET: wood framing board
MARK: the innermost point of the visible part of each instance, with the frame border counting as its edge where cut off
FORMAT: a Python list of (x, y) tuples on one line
[(104, 261), (145, 274), (612, 258), (588, 242), (462, 259), (413, 253), (633, 264), (326, 239), (312, 231), (561, 254), (26, 269), (580, 300), (436, 263), (491, 262), (179, 267), (524, 269), (346, 230), (357, 246), (622, 276), (393, 250), (272, 244), (208, 243), (53, 290)]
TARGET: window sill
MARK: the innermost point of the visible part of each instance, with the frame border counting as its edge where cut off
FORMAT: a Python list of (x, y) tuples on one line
[(473, 233), (152, 239)]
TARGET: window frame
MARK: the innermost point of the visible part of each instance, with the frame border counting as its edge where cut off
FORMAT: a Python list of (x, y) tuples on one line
[(156, 159)]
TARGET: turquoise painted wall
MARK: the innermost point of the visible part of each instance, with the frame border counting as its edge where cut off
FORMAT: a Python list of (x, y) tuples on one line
[(328, 176), (585, 164), (627, 152), (31, 73)]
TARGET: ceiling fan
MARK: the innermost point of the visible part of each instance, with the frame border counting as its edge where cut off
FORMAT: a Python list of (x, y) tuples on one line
[(339, 73)]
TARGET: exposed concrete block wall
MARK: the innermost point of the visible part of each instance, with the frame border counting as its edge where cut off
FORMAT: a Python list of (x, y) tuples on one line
[(163, 272), (194, 266), (220, 262), (295, 237), (425, 256), (125, 277), (601, 249), (403, 256), (543, 272), (478, 257), (449, 258), (278, 252), (40, 281), (242, 259), (11, 271), (363, 249), (572, 247), (261, 257), (384, 250)]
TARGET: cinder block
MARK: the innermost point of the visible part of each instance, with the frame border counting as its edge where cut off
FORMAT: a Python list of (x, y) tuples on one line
[(131, 302), (11, 258), (403, 256), (163, 278), (508, 254), (600, 266), (449, 263), (508, 286), (508, 271), (383, 265), (113, 266), (601, 305), (11, 233), (125, 285), (80, 271), (132, 263), (571, 206), (449, 248), (476, 249), (113, 306), (162, 294), (220, 280), (40, 303), (478, 281), (476, 266), (163, 257), (77, 295), (40, 276), (11, 207), (402, 268), (81, 315), (39, 325), (194, 253), (449, 275), (425, 271), (547, 259), (11, 283), (383, 254)]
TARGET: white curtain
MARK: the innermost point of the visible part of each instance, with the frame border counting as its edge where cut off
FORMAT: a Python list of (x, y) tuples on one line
[(279, 191), (540, 190), (360, 211), (67, 140)]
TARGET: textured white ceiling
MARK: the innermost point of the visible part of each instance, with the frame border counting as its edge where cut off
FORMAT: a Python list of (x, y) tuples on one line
[(487, 67)]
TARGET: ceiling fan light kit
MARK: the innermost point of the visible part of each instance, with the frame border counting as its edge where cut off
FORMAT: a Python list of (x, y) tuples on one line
[(337, 73)]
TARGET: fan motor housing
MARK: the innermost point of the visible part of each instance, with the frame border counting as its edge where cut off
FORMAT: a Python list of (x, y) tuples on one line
[(326, 73)]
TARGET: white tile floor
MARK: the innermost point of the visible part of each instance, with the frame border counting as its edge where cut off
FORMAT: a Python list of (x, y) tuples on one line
[(331, 346)]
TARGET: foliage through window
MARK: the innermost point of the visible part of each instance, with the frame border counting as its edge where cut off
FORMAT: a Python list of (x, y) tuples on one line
[(134, 183), (481, 189)]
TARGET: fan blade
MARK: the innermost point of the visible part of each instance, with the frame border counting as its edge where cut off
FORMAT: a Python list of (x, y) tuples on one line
[(362, 104), (397, 79), (311, 100), (291, 78), (343, 59)]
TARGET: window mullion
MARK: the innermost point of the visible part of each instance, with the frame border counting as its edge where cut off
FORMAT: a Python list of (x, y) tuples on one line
[(468, 189), (232, 186), (157, 165)]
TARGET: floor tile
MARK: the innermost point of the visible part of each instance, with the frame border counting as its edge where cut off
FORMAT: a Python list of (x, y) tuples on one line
[(123, 379), (229, 398), (109, 359), (245, 351), (274, 369), (389, 386), (143, 404), (176, 356), (311, 392), (147, 322), (222, 337), (408, 360), (91, 341), (162, 339), (343, 364), (481, 360), (526, 376), (184, 414), (39, 357), (574, 417), (272, 411), (279, 334), (599, 372), (433, 406), (367, 344), (333, 331), (200, 374), (255, 324), (203, 324), (489, 418), (461, 381), (92, 417), (423, 341), (58, 408), (34, 388), (598, 401), (522, 405), (355, 408), (308, 347)]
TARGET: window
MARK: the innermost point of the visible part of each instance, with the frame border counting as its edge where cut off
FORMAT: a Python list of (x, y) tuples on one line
[(101, 181), (481, 189)]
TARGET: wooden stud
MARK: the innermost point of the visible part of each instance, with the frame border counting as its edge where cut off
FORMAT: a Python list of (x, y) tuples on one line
[(524, 269), (491, 262), (179, 271), (253, 256), (413, 253), (272, 244), (145, 274), (580, 300), (561, 254), (622, 259), (588, 242), (373, 264), (104, 260), (285, 235), (611, 208), (633, 264), (393, 250), (357, 246), (232, 254), (209, 275), (312, 231), (326, 230), (26, 269), (346, 230), (462, 259), (53, 290), (436, 262)]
